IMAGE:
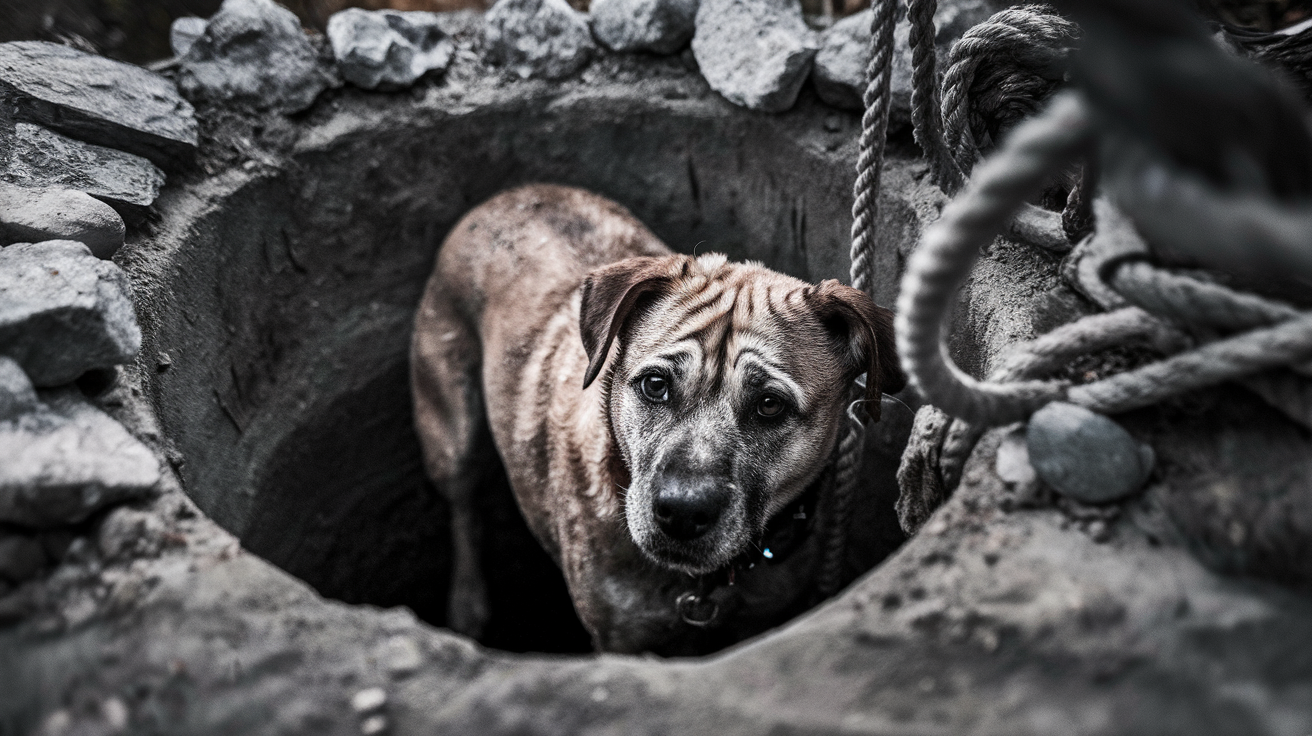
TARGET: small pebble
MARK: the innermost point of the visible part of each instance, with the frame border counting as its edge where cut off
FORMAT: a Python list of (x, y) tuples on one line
[(368, 700), (1084, 455)]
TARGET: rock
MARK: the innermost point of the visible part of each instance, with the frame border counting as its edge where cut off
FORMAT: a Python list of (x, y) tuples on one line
[(537, 38), (35, 215), (254, 51), (63, 311), (42, 158), (369, 700), (67, 460), (657, 26), (129, 533), (400, 655), (17, 396), (21, 558), (1085, 455), (387, 47), (840, 67), (1013, 460), (99, 100), (184, 32), (756, 53)]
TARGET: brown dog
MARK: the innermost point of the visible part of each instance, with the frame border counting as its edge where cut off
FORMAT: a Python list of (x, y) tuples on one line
[(654, 411)]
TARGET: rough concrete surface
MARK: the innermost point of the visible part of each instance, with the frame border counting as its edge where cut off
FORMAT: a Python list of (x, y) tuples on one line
[(275, 294), (127, 107)]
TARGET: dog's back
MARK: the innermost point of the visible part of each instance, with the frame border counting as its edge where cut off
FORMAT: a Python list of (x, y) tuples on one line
[(502, 287)]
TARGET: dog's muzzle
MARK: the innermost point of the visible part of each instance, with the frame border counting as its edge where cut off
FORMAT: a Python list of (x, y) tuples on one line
[(687, 507)]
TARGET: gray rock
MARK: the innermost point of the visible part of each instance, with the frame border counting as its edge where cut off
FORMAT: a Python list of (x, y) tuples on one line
[(537, 38), (34, 215), (63, 311), (99, 100), (184, 32), (21, 557), (254, 51), (658, 26), (60, 464), (129, 533), (43, 158), (1013, 461), (756, 53), (840, 67), (387, 47), (17, 396), (1085, 455)]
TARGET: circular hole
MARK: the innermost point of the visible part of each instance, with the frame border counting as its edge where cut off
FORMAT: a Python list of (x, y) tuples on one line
[(286, 300)]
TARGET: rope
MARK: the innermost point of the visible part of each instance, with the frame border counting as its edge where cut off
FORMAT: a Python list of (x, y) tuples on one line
[(948, 251), (926, 120), (865, 211), (1271, 335), (1031, 41)]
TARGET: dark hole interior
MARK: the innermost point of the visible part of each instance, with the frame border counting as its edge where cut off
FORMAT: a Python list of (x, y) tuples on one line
[(289, 298)]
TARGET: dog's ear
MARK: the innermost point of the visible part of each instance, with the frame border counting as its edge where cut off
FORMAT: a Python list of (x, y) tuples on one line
[(609, 294), (864, 331)]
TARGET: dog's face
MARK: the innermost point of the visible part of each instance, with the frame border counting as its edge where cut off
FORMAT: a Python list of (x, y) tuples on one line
[(725, 394)]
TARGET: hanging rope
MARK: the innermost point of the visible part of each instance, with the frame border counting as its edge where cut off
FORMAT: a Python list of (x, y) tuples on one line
[(865, 210)]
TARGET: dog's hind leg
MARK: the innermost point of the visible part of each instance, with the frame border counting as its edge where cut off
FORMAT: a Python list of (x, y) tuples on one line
[(445, 380)]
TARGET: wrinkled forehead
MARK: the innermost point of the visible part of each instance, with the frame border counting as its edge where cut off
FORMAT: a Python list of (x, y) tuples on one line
[(746, 328)]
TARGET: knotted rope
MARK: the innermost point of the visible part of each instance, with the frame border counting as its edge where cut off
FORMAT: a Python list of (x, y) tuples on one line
[(865, 210), (1170, 309)]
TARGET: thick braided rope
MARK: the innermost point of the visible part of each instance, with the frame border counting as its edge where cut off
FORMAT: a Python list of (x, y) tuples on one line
[(1223, 360), (1048, 353), (926, 119), (1027, 37), (949, 249), (865, 210)]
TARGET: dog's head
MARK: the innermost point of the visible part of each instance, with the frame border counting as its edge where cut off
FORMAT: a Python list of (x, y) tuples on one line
[(725, 393)]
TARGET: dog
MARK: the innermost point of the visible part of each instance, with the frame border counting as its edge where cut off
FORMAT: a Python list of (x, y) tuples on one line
[(654, 411)]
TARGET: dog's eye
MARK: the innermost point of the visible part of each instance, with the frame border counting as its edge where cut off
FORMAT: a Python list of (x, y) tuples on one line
[(769, 406), (655, 387)]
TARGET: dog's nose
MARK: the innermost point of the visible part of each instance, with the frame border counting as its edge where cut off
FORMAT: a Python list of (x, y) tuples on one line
[(687, 508)]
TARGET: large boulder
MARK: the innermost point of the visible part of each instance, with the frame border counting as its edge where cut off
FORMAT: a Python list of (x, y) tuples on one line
[(66, 460), (254, 51), (98, 100), (35, 215), (537, 38), (42, 158), (657, 26), (63, 311), (756, 53), (387, 47)]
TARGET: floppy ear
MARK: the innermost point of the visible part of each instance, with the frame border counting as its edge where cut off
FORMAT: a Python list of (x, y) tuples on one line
[(609, 294), (864, 331)]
